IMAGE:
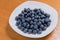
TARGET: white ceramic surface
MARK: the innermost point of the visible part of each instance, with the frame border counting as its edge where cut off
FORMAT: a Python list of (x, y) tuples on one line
[(33, 4)]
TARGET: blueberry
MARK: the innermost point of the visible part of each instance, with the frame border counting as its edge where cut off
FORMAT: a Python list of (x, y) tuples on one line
[(41, 11), (20, 15), (25, 10), (35, 10), (17, 18), (29, 31), (22, 28), (42, 16), (41, 26), (32, 18), (27, 26), (39, 19), (32, 12), (25, 13), (47, 20), (38, 11), (24, 24), (39, 14), (39, 23), (23, 20), (42, 21), (19, 26), (45, 25), (25, 30), (48, 24), (28, 10), (36, 27), (28, 19), (25, 16), (47, 15), (29, 15), (36, 16), (35, 20), (34, 31), (31, 22), (32, 15), (39, 32), (34, 23), (31, 26), (22, 12), (18, 23), (44, 28)]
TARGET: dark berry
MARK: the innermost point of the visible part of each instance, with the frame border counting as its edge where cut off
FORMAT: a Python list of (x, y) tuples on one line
[(18, 23), (35, 10), (24, 24), (47, 20), (39, 31), (33, 21), (47, 15), (44, 28), (22, 28), (25, 30), (17, 18), (34, 31), (35, 26), (41, 26), (19, 26), (31, 26), (29, 31), (42, 16)]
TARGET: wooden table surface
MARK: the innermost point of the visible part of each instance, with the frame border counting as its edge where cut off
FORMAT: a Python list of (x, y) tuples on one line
[(6, 33)]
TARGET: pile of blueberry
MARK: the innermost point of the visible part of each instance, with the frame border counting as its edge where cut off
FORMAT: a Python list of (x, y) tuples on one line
[(33, 21)]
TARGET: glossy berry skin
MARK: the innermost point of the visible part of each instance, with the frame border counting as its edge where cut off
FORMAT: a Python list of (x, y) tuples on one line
[(41, 26), (36, 27), (31, 26), (39, 32), (19, 26), (47, 20), (17, 23), (24, 24), (34, 31), (47, 15), (29, 31), (42, 16), (17, 18), (25, 30), (44, 28), (33, 21)]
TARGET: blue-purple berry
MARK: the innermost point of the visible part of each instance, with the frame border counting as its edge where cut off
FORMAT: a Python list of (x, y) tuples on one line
[(33, 21)]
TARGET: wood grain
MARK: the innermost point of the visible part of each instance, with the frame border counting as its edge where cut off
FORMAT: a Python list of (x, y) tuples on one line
[(6, 33)]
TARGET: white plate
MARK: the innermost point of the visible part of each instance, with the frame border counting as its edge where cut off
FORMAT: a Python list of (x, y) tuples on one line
[(33, 4)]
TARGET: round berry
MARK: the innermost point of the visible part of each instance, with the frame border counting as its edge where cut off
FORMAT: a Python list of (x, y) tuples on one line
[(44, 28), (29, 31), (33, 21), (36, 27), (31, 26), (25, 30), (34, 31)]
